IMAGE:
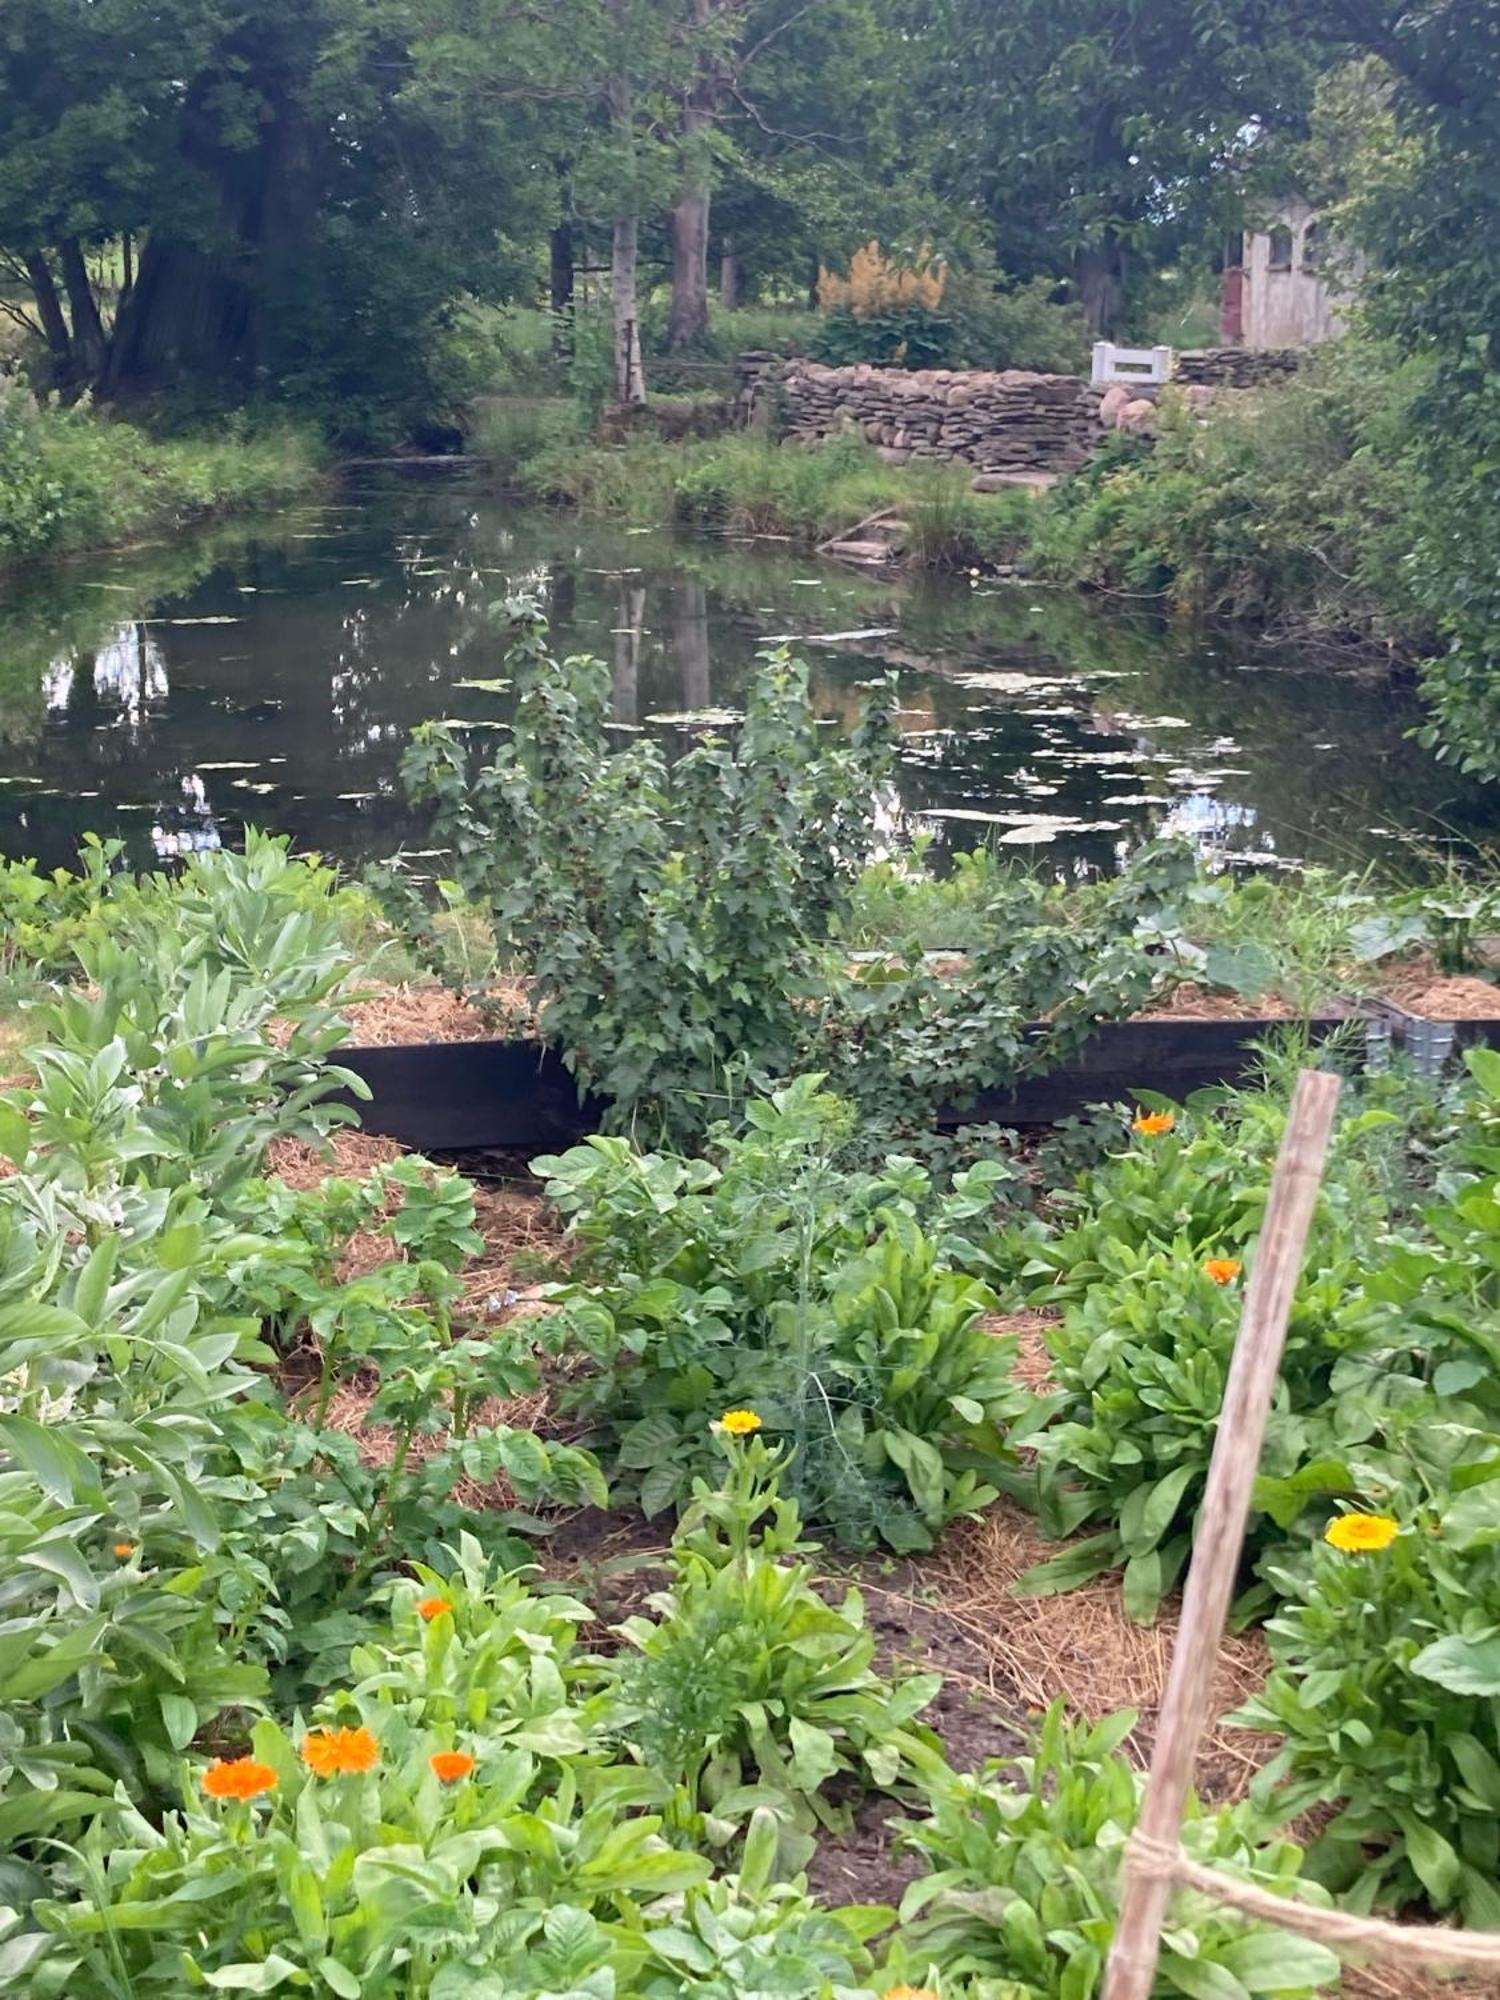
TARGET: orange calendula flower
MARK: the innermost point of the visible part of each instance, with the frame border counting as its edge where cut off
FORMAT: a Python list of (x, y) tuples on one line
[(433, 1607), (1223, 1270), (739, 1423), (124, 1551), (1151, 1124), (910, 1993), (451, 1765), (1362, 1534), (339, 1753), (239, 1778)]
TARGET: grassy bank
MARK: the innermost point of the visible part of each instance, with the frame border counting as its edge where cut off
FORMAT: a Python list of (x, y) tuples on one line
[(1296, 509), (73, 480), (743, 484)]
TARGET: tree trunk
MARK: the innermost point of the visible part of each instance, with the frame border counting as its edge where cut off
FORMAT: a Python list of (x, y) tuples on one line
[(127, 266), (88, 329), (729, 276), (49, 309), (1099, 273), (691, 638), (188, 313), (560, 268), (688, 325), (630, 377), (625, 688)]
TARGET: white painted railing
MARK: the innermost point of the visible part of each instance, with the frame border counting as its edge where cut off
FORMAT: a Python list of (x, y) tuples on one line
[(1131, 364)]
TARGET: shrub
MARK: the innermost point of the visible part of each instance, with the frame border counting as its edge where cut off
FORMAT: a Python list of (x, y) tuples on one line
[(668, 914), (1295, 505)]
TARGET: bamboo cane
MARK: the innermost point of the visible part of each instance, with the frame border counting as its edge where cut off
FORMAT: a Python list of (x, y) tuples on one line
[(1220, 1533)]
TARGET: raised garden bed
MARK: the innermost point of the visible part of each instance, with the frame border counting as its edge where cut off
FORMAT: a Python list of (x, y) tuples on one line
[(509, 1095)]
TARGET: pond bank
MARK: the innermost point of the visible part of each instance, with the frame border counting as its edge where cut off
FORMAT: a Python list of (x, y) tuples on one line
[(74, 482), (1289, 512)]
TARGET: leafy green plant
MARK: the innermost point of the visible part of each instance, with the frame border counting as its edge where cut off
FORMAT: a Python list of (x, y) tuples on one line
[(1023, 1879), (1385, 1685), (746, 1687), (903, 336), (903, 1041), (667, 915), (770, 1278)]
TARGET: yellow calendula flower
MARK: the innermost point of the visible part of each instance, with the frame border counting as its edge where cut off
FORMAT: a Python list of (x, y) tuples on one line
[(910, 1993), (739, 1423), (1362, 1534)]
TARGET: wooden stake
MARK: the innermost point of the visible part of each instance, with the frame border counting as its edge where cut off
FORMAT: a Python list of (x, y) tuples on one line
[(1145, 1892)]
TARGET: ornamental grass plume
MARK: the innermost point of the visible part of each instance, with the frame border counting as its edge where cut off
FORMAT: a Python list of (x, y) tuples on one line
[(451, 1765), (1223, 1270), (1151, 1124), (339, 1753), (1361, 1534), (239, 1778), (740, 1423)]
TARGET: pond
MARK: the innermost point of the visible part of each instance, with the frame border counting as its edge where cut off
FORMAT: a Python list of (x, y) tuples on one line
[(273, 674)]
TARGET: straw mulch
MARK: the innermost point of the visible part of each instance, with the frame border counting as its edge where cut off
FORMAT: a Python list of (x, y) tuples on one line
[(392, 1016)]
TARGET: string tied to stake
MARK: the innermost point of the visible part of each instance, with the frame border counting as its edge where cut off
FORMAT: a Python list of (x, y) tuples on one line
[(1342, 1930)]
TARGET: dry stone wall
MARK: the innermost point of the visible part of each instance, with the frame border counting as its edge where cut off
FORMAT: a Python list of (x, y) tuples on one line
[(1235, 367), (1007, 424), (1006, 421)]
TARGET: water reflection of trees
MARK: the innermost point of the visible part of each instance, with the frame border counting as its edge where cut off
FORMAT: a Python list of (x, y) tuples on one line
[(347, 629)]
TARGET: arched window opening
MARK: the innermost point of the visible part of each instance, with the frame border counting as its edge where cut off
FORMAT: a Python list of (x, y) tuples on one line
[(1281, 248), (1312, 247)]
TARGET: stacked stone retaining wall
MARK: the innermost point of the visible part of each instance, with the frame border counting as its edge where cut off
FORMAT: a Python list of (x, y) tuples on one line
[(1235, 367), (1005, 423)]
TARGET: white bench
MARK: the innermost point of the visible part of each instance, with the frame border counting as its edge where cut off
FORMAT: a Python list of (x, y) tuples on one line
[(1131, 364)]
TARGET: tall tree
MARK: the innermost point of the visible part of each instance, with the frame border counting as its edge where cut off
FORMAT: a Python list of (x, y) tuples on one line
[(1095, 130)]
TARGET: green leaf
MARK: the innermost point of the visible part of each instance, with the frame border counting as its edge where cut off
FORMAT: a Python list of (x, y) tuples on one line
[(814, 1755), (1245, 968), (1463, 1666), (1278, 1962), (1484, 1067), (1478, 1767), (66, 1561), (660, 1488), (1199, 1978), (1077, 1565), (340, 1979), (179, 1718), (1143, 1523), (15, 1133), (247, 1977), (64, 1472), (1472, 1521), (1143, 1586), (1435, 1864)]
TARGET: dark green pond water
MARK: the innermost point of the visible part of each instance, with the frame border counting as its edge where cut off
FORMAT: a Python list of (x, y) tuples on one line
[(272, 675)]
